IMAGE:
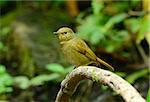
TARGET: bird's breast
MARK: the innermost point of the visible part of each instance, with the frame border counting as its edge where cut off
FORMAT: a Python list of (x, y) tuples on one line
[(73, 56)]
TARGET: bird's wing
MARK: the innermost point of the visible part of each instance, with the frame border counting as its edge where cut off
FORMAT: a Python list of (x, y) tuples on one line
[(82, 48)]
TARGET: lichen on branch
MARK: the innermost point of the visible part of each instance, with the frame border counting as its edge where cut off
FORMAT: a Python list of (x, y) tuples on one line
[(115, 82)]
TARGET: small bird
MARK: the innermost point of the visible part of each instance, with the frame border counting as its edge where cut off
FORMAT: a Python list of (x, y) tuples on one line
[(76, 50)]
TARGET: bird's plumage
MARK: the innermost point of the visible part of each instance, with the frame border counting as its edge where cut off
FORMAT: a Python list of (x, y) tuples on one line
[(76, 50)]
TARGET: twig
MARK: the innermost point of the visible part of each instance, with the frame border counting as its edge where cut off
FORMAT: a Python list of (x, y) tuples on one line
[(119, 85)]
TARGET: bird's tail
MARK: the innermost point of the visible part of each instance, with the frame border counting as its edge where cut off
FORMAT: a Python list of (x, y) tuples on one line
[(105, 64)]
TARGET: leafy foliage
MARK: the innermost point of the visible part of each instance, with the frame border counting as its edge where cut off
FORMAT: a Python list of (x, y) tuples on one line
[(6, 80), (136, 75), (105, 24), (148, 96), (39, 80), (112, 27), (3, 3), (97, 6), (144, 30), (21, 81), (55, 68), (57, 71), (98, 32), (113, 31), (3, 35)]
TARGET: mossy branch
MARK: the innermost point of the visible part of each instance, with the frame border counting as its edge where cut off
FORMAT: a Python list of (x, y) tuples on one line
[(119, 85)]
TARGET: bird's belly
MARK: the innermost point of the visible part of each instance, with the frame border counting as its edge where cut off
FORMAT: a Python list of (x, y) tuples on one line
[(75, 57)]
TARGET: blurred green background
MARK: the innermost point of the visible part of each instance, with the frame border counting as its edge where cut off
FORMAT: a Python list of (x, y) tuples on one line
[(32, 65)]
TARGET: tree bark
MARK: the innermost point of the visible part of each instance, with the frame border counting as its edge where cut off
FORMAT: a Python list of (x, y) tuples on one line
[(119, 85)]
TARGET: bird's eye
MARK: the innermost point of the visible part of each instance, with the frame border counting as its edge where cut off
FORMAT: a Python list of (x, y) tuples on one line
[(65, 32)]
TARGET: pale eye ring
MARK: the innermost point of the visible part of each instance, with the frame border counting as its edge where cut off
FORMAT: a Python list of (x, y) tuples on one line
[(65, 32)]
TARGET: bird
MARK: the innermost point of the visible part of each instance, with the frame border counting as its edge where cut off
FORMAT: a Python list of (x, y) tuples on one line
[(76, 51)]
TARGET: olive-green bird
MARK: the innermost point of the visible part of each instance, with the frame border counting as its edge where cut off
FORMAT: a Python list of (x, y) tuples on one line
[(76, 50)]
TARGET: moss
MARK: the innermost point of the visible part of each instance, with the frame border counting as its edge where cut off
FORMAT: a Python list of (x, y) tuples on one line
[(94, 77)]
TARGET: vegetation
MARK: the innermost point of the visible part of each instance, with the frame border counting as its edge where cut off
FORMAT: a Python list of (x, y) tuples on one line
[(31, 62)]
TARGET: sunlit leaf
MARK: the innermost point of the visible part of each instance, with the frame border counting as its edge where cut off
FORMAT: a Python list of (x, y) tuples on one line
[(115, 19), (2, 69), (4, 89), (110, 48), (22, 82), (97, 5), (39, 80), (55, 68), (89, 25), (136, 75), (148, 96), (144, 30), (5, 30), (96, 37), (6, 80), (122, 74), (69, 69), (132, 24), (8, 89)]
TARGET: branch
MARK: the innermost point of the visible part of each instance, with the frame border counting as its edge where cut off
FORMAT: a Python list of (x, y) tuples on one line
[(72, 7), (119, 85)]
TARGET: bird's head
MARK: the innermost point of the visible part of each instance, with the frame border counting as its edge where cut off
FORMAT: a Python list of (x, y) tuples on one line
[(65, 34)]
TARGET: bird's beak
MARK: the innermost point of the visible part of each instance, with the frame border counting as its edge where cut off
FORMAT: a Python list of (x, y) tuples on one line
[(56, 33)]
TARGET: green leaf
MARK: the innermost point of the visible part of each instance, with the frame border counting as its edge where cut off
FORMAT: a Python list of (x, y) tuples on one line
[(120, 6), (134, 3), (6, 80), (96, 37), (97, 5), (2, 89), (8, 89), (55, 68), (69, 69), (1, 46), (89, 25), (133, 24), (136, 75), (104, 87), (39, 80), (144, 30), (5, 30), (115, 19), (122, 74), (120, 36), (110, 48), (2, 69), (22, 82), (148, 96)]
